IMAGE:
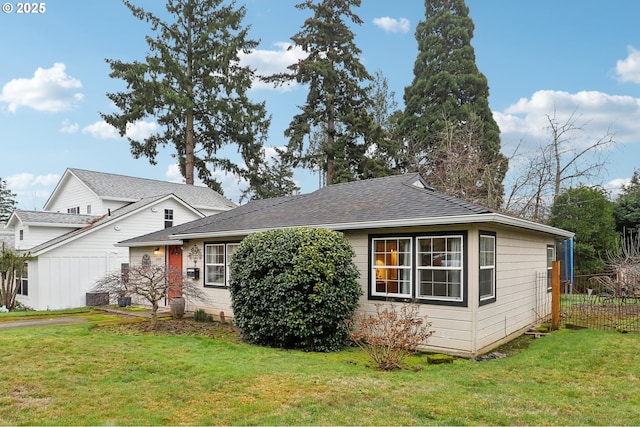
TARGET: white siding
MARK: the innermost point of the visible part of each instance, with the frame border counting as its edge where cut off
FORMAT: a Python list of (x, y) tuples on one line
[(35, 235), (71, 194), (66, 273)]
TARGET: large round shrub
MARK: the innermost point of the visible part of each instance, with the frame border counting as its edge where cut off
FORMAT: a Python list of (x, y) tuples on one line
[(294, 288)]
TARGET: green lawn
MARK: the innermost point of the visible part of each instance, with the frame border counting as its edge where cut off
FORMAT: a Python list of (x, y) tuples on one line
[(80, 375)]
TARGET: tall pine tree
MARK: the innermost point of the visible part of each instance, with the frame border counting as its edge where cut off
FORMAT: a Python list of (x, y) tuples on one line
[(191, 82), (448, 89), (337, 102)]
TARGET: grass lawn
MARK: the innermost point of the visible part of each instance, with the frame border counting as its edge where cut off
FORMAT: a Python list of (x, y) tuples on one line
[(85, 375)]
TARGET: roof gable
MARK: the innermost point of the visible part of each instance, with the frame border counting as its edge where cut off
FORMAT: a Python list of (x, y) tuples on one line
[(106, 220), (108, 186)]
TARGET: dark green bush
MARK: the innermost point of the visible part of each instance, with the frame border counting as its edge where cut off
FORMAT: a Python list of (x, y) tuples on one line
[(294, 288)]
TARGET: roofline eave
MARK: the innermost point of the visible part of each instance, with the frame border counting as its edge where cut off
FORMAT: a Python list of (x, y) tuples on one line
[(496, 218), (150, 243)]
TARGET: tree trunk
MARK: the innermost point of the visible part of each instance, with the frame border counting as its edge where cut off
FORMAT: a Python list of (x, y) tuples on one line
[(331, 132), (154, 316), (189, 149)]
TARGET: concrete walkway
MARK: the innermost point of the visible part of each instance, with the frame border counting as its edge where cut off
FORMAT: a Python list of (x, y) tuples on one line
[(59, 320)]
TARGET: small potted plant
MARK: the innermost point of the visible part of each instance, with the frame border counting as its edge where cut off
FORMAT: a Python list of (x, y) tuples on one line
[(123, 299)]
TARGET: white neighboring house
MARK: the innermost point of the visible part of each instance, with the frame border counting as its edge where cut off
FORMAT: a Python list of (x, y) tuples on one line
[(72, 239)]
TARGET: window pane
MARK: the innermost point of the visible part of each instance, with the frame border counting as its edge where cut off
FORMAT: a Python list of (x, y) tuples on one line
[(440, 267), (392, 266), (215, 274), (486, 283)]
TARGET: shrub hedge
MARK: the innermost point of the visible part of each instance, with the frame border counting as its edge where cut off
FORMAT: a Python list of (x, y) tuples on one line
[(294, 288)]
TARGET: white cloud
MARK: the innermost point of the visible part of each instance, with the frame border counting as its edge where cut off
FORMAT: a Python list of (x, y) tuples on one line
[(68, 127), (141, 130), (392, 25), (628, 69), (50, 90), (101, 130), (525, 125), (268, 62), (595, 112), (26, 180), (615, 186), (138, 131)]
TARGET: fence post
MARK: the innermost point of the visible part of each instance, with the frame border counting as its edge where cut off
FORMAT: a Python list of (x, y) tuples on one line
[(555, 295)]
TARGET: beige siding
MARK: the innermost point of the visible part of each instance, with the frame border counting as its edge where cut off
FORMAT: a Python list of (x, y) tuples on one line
[(452, 326), (458, 330), (519, 303)]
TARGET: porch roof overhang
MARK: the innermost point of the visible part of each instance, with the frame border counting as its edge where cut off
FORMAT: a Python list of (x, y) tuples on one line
[(173, 242)]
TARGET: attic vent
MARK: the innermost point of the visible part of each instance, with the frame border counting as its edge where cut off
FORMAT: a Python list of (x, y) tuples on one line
[(418, 184)]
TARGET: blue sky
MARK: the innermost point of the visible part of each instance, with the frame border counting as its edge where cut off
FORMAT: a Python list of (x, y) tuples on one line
[(539, 57)]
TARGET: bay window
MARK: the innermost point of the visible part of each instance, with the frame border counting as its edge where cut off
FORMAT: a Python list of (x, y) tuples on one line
[(428, 268)]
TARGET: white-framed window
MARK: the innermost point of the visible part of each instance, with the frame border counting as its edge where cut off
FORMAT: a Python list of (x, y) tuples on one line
[(551, 256), (168, 218), (22, 280), (487, 283), (217, 257), (392, 266), (426, 268), (439, 267)]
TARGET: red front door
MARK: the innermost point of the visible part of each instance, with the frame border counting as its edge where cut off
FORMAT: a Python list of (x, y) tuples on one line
[(175, 270)]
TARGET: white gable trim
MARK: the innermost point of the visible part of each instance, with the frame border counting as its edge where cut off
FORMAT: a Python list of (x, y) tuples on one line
[(113, 221)]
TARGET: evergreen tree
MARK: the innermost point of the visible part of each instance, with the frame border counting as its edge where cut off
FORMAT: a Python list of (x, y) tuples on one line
[(448, 88), (587, 212), (7, 201), (270, 178), (627, 207), (192, 84), (336, 102), (385, 153)]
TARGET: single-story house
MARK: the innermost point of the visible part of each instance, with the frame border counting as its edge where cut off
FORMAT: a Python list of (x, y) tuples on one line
[(71, 241), (480, 277)]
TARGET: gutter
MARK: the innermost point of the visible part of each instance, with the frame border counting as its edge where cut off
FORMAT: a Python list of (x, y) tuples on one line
[(446, 220)]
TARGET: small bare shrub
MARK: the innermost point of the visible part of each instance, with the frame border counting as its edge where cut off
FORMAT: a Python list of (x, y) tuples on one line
[(391, 335)]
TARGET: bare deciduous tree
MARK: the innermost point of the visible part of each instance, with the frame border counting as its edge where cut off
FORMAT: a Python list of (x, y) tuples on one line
[(457, 165), (555, 166), (152, 282)]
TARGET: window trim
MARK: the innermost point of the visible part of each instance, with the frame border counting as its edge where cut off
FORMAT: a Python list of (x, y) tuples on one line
[(462, 302), (550, 266), (492, 298), (225, 264), (23, 281), (168, 218)]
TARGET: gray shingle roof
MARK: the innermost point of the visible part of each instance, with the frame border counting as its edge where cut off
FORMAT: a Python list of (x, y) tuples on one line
[(120, 187), (40, 217), (378, 200)]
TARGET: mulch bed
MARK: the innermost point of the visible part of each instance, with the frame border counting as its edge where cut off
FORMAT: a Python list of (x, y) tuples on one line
[(185, 326)]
